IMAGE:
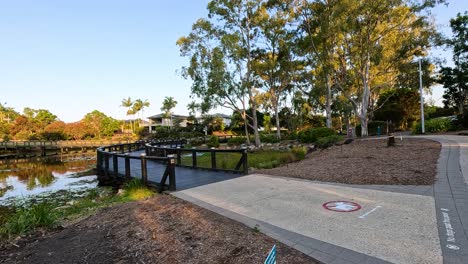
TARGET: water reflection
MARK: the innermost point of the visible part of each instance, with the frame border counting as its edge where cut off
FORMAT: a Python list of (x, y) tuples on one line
[(22, 178)]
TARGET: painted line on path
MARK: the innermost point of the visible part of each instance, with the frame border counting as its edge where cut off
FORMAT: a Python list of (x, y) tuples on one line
[(371, 211)]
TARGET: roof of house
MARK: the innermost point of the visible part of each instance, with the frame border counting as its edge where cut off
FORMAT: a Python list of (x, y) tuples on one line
[(162, 115)]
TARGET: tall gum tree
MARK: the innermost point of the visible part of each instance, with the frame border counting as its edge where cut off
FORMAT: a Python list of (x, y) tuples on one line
[(274, 63), (376, 38), (221, 56)]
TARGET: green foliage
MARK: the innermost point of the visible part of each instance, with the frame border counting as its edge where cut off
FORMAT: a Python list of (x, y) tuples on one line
[(311, 135), (431, 112), (433, 126), (26, 220), (236, 141), (401, 106), (328, 141), (213, 142), (269, 138), (299, 152), (372, 128), (455, 80), (100, 125)]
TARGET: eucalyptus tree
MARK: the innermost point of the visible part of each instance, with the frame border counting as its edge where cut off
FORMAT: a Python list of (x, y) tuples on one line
[(361, 47), (220, 49), (378, 38), (317, 39), (455, 79), (274, 63)]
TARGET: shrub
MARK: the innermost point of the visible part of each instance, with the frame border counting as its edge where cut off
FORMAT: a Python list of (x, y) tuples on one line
[(236, 141), (313, 134), (433, 126), (328, 141), (268, 138), (26, 220), (213, 142), (299, 152), (194, 142), (268, 164), (136, 190)]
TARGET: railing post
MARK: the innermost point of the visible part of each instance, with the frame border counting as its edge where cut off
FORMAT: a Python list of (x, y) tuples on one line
[(213, 158), (127, 166), (179, 159), (194, 157), (106, 164), (245, 164), (171, 166), (144, 169), (98, 162), (115, 164)]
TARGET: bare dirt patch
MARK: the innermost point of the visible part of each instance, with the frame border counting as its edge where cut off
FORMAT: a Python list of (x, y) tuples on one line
[(411, 162), (162, 229)]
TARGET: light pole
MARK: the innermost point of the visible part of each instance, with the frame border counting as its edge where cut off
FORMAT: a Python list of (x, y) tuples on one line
[(422, 98)]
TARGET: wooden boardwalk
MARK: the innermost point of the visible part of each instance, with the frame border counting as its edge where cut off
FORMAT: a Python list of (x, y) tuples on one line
[(186, 178)]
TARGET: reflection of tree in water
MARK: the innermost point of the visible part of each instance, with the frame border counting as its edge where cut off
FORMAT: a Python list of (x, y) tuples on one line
[(40, 173)]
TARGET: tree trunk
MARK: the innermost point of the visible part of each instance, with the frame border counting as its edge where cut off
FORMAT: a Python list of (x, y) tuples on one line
[(278, 128), (255, 123), (363, 119), (246, 127), (365, 100), (328, 106)]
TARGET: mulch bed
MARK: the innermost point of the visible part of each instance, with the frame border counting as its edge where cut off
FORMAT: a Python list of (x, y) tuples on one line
[(411, 162), (162, 229)]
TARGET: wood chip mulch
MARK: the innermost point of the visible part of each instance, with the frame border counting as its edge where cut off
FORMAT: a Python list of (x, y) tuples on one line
[(412, 161), (162, 229)]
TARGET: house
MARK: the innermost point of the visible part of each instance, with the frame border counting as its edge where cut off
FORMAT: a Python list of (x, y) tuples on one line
[(226, 118), (162, 120)]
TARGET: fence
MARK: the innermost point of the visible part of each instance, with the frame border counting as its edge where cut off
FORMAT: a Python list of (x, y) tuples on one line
[(136, 166), (229, 160)]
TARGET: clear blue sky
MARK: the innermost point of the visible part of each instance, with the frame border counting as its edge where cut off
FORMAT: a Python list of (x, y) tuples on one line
[(72, 57)]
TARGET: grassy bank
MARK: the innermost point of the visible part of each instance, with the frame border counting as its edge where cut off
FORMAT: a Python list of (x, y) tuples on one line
[(265, 159), (50, 214)]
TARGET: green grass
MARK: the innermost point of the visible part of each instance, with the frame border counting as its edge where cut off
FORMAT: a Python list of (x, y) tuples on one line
[(47, 215), (258, 159), (25, 220)]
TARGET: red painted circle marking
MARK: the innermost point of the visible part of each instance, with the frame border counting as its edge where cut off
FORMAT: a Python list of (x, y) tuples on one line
[(341, 206)]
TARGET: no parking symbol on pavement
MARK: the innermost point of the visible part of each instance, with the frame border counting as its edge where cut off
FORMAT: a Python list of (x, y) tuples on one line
[(342, 206)]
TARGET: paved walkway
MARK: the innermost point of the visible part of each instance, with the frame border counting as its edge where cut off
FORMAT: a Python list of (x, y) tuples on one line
[(395, 224)]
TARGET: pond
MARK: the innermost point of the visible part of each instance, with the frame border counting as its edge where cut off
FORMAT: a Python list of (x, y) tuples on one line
[(34, 179)]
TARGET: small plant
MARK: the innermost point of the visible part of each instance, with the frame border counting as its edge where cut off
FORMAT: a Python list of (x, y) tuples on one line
[(434, 125), (269, 138), (213, 142), (136, 190), (25, 220), (299, 152), (236, 141), (311, 135), (255, 229), (326, 142)]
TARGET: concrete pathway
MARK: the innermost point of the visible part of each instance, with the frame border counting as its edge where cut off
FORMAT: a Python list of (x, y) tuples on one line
[(395, 224)]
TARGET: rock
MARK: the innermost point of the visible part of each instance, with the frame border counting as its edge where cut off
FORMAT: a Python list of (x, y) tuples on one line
[(120, 192)]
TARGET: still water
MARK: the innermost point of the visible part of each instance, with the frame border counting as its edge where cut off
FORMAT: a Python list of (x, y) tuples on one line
[(28, 179)]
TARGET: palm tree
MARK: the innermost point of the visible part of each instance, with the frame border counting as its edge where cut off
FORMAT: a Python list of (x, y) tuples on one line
[(128, 103), (168, 104)]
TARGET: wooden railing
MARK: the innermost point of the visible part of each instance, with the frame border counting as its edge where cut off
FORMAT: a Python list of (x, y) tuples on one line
[(176, 148), (114, 152), (61, 143)]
